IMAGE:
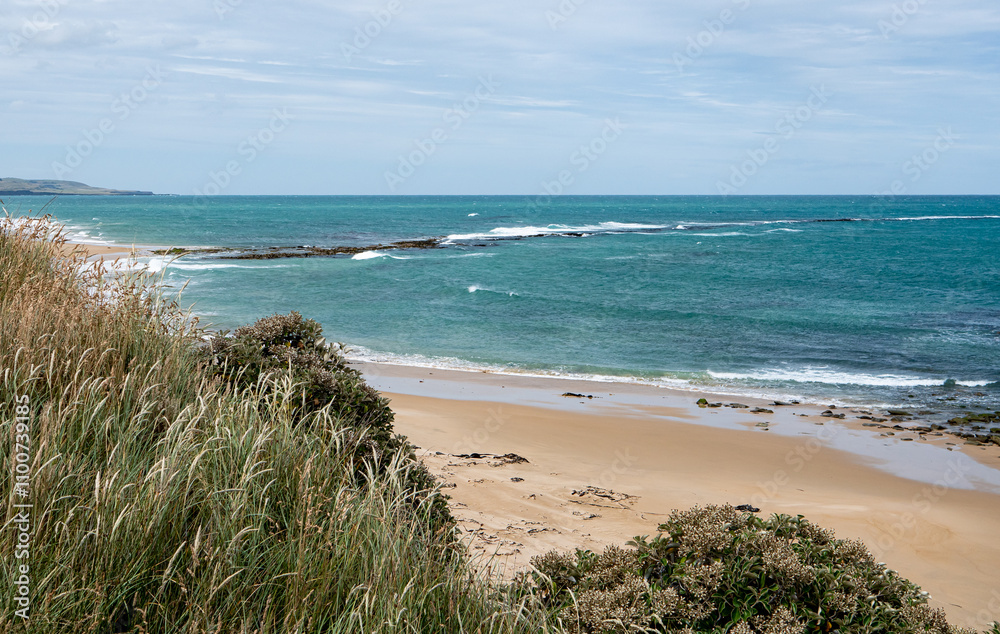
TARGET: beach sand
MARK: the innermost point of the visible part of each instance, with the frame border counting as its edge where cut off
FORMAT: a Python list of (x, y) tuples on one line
[(603, 470), (98, 251)]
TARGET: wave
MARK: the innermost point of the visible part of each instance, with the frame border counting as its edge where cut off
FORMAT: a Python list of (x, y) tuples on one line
[(475, 289), (82, 236), (693, 382), (948, 218), (367, 355), (724, 234), (369, 255), (703, 226), (834, 377), (157, 264), (506, 233), (613, 227), (819, 386)]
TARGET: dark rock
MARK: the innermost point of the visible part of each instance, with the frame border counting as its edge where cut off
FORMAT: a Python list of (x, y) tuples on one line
[(780, 404), (738, 406), (574, 395), (761, 410), (899, 412), (747, 508), (513, 458), (517, 479), (703, 402)]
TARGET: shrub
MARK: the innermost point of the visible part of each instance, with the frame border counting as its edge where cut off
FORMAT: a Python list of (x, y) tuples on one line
[(290, 348), (164, 503), (716, 569)]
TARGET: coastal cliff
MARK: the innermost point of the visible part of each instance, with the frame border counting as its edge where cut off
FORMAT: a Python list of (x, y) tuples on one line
[(23, 187)]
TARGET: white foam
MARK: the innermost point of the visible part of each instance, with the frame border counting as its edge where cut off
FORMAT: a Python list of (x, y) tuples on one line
[(473, 215), (725, 234), (948, 218), (191, 266), (155, 265), (369, 255), (475, 288), (500, 233), (834, 377)]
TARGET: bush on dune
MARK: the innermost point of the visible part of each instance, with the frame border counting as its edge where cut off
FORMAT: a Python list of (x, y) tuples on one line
[(291, 347), (254, 483), (720, 570), (168, 498)]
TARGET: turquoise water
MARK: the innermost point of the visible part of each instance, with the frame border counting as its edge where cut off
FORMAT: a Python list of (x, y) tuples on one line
[(761, 295)]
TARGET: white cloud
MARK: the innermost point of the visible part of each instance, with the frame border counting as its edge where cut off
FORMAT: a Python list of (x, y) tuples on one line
[(938, 66)]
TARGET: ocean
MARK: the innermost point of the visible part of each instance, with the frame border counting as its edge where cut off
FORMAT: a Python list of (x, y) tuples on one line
[(847, 300)]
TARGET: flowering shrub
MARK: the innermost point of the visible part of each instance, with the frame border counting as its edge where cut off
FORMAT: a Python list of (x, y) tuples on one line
[(716, 569)]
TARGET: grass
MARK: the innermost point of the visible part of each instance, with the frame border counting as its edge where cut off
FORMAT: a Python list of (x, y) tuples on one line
[(169, 500), (253, 483)]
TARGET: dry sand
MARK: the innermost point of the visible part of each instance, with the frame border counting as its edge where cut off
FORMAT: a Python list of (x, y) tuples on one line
[(604, 470)]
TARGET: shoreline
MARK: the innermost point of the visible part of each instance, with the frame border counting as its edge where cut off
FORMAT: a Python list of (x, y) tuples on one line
[(603, 470), (886, 442), (98, 251)]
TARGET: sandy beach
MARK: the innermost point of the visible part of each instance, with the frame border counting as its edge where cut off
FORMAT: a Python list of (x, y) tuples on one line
[(99, 251), (601, 470)]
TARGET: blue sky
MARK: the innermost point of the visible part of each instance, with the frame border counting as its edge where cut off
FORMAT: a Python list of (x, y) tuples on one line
[(510, 97)]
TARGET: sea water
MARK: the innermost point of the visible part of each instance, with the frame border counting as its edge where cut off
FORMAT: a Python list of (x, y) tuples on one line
[(850, 300)]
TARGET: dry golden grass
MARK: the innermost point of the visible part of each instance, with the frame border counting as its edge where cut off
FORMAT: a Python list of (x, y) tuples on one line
[(164, 503)]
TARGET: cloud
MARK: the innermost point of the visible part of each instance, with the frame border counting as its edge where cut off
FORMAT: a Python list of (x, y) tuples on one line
[(696, 83)]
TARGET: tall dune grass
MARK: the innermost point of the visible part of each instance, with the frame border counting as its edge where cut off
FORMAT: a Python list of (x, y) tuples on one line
[(173, 492), (166, 502)]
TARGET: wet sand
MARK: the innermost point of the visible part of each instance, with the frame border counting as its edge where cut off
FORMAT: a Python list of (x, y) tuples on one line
[(603, 470)]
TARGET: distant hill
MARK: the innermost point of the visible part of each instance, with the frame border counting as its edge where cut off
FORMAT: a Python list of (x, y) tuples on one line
[(22, 187)]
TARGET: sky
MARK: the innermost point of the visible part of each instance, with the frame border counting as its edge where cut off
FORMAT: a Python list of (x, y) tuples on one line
[(572, 97)]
